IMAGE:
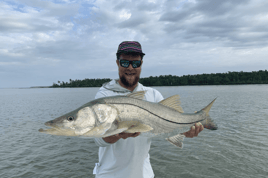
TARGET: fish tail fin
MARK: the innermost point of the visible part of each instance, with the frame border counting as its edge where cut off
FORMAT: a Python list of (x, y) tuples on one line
[(208, 122), (208, 107)]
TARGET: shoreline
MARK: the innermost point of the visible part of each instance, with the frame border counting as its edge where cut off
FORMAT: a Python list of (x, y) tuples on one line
[(34, 87)]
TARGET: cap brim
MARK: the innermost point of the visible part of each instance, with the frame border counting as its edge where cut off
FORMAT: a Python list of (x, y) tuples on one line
[(128, 52)]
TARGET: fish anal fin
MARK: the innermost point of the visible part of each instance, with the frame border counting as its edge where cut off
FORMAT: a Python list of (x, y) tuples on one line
[(176, 140), (137, 95), (208, 107), (173, 102)]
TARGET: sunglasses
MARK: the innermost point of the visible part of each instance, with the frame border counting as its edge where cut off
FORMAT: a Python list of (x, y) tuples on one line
[(125, 63)]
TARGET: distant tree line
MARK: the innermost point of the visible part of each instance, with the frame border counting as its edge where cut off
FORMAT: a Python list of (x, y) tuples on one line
[(230, 78), (82, 83)]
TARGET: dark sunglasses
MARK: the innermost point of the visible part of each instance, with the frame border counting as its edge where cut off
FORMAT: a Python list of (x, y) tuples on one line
[(125, 63)]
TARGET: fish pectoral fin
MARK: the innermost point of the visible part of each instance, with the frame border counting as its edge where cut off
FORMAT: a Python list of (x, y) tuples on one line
[(127, 124), (100, 130), (176, 140), (134, 126), (173, 102), (117, 131), (129, 127), (139, 128)]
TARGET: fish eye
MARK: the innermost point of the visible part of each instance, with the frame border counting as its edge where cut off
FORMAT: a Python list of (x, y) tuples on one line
[(70, 118)]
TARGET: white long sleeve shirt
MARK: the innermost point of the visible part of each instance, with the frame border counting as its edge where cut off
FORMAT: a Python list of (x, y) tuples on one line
[(127, 158)]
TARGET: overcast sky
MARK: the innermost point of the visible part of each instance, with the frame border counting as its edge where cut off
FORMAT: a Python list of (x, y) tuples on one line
[(43, 41)]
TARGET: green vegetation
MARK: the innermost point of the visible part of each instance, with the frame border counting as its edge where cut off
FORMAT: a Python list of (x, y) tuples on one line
[(82, 83), (230, 78)]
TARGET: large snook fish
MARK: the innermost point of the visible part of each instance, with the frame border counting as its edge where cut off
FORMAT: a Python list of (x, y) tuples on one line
[(108, 116)]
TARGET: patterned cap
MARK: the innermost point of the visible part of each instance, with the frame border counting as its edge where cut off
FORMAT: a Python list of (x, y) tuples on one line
[(129, 46)]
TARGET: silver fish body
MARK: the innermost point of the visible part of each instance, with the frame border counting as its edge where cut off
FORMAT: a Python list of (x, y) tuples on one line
[(112, 115)]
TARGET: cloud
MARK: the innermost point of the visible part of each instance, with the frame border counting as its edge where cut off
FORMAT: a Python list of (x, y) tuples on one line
[(233, 23), (62, 39)]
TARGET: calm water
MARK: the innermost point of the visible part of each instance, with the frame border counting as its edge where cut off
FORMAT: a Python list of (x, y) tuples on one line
[(238, 149)]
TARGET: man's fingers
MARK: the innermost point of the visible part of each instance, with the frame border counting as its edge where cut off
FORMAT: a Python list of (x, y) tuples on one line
[(126, 135), (197, 129), (123, 135), (193, 128), (201, 128), (136, 134), (192, 131)]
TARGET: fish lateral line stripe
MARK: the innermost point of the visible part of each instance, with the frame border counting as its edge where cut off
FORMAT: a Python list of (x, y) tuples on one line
[(157, 115)]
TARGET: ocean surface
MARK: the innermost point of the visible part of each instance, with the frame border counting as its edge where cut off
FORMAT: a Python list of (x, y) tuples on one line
[(239, 148)]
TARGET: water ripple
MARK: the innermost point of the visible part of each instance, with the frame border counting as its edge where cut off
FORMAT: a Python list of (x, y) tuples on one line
[(238, 149)]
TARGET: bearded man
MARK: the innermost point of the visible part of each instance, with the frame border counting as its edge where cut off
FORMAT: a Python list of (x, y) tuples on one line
[(128, 157)]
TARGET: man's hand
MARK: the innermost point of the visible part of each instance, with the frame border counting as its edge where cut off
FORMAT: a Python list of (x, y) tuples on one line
[(115, 138), (126, 135), (194, 131)]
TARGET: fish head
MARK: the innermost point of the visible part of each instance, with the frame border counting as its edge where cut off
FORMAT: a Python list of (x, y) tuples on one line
[(92, 121), (106, 120), (75, 123)]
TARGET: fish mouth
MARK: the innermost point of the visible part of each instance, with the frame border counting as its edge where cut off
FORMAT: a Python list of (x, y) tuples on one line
[(52, 129), (53, 126), (58, 131), (55, 130)]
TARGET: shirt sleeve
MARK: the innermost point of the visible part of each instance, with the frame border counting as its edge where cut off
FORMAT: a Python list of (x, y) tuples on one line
[(158, 96), (100, 94), (99, 141)]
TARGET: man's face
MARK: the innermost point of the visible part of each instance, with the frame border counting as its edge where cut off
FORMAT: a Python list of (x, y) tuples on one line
[(130, 76)]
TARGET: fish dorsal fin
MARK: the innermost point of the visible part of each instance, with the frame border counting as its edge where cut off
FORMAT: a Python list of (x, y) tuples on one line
[(173, 102), (137, 95), (207, 108)]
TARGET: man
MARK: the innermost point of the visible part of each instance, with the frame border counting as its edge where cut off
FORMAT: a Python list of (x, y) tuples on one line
[(128, 157)]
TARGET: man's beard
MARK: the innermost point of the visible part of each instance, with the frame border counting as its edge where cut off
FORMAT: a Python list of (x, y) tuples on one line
[(126, 83)]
